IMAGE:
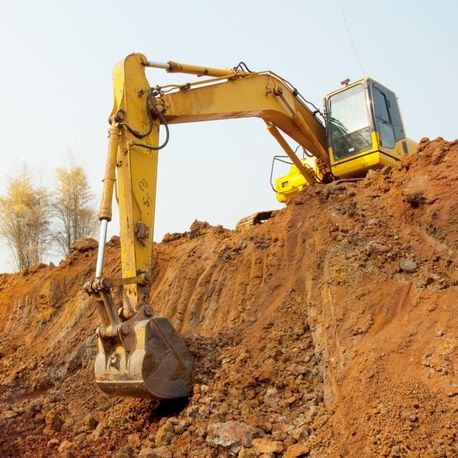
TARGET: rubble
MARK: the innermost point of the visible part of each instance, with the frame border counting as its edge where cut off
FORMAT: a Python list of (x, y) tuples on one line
[(329, 330)]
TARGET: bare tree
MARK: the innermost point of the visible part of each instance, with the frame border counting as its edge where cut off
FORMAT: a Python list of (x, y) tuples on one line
[(76, 217), (24, 219)]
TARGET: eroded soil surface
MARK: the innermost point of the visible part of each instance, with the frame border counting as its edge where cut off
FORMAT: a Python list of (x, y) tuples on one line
[(328, 331)]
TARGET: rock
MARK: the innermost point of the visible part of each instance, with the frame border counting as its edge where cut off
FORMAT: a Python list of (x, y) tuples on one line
[(91, 423), (271, 397), (126, 452), (408, 265), (297, 450), (53, 423), (170, 237), (376, 247), (265, 373), (181, 426), (123, 454), (79, 439), (198, 228), (65, 448), (84, 245), (36, 406), (198, 225), (158, 452), (35, 268), (9, 414), (416, 200), (67, 454), (204, 388), (247, 453), (134, 440), (165, 434), (415, 190), (230, 434), (98, 432), (266, 445), (146, 452), (114, 241), (53, 442), (387, 170)]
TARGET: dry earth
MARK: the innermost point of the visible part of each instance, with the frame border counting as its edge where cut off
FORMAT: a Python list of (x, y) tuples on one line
[(328, 331)]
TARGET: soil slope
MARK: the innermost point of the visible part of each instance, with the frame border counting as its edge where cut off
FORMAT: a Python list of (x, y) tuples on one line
[(329, 330)]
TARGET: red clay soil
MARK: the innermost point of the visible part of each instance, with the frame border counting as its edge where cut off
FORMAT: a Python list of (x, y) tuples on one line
[(328, 331)]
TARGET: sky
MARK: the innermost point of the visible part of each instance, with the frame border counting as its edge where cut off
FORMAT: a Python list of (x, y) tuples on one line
[(57, 58)]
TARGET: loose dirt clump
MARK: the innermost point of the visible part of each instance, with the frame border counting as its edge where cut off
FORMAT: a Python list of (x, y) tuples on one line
[(328, 331)]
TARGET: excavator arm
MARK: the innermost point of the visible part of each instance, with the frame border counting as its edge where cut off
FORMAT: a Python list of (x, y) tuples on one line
[(139, 353), (244, 95), (233, 94)]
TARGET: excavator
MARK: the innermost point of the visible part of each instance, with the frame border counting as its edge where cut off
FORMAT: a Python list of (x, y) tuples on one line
[(140, 353)]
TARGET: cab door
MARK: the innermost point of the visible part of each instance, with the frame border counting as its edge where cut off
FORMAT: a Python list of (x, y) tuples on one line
[(387, 119)]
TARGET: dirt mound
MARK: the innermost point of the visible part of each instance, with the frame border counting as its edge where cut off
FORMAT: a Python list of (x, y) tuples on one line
[(329, 330)]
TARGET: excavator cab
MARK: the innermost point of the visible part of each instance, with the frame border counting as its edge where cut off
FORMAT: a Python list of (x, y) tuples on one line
[(364, 129)]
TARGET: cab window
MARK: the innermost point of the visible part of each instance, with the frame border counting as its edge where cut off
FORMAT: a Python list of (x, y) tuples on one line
[(383, 123), (395, 116), (349, 123)]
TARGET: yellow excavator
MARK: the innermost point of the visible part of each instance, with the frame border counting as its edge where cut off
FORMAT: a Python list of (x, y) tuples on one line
[(139, 353)]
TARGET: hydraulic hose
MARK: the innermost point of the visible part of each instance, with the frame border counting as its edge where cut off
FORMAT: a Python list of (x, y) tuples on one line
[(150, 107)]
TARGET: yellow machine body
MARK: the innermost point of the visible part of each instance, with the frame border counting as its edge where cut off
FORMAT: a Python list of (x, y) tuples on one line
[(288, 186), (373, 136), (364, 131), (140, 353)]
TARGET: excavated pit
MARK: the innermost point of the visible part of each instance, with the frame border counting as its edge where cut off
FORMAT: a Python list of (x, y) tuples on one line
[(328, 331)]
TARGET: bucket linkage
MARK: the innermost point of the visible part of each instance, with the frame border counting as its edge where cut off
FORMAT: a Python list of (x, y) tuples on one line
[(143, 356)]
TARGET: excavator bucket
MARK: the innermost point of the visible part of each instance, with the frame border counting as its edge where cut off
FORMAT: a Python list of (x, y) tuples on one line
[(146, 358), (254, 219)]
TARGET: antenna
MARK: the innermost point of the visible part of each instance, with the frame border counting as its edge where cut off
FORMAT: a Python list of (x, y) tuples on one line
[(347, 27)]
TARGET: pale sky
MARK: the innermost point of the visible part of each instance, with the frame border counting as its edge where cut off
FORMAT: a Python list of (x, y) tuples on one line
[(57, 58)]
